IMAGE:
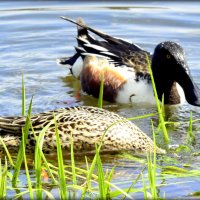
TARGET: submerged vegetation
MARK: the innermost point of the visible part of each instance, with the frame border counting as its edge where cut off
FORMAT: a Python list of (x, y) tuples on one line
[(66, 179)]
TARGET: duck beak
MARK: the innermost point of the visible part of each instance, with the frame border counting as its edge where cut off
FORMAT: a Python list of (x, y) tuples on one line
[(191, 90)]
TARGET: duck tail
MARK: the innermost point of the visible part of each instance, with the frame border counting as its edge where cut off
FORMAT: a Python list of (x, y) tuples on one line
[(68, 60), (82, 32), (83, 37), (9, 134), (9, 125)]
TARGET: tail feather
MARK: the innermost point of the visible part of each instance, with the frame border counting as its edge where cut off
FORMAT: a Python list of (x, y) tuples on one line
[(68, 60), (82, 31), (9, 125), (108, 38)]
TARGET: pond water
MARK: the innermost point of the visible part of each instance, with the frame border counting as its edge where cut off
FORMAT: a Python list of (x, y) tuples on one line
[(33, 37)]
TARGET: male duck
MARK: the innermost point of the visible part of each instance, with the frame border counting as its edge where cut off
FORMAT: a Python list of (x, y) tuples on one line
[(87, 126), (125, 69)]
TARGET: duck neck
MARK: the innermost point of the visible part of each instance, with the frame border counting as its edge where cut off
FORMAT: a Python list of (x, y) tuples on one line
[(171, 95), (166, 87)]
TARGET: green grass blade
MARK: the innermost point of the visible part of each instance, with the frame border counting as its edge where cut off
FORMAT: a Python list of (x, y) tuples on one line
[(101, 179), (26, 130), (42, 155), (100, 100), (46, 164), (3, 180), (7, 152), (108, 185), (38, 168), (61, 172), (88, 186), (88, 178), (89, 175), (20, 195), (38, 155), (20, 156), (134, 183), (161, 118), (152, 168), (25, 163), (141, 116)]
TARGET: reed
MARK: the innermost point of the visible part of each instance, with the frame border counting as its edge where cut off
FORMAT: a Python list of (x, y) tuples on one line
[(159, 108), (25, 131), (37, 163), (100, 99), (61, 173), (3, 179), (151, 166), (101, 179)]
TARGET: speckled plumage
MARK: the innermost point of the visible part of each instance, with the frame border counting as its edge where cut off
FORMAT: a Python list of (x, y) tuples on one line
[(87, 125)]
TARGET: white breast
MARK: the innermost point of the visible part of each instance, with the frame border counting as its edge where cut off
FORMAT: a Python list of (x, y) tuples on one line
[(77, 68), (181, 93), (136, 91)]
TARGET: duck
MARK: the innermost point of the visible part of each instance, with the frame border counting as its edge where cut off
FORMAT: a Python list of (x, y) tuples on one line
[(86, 125), (124, 68)]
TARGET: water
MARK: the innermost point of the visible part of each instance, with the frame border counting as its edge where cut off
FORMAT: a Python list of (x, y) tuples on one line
[(33, 37)]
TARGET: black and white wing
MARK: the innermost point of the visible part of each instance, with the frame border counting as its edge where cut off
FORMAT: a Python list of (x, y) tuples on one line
[(116, 50)]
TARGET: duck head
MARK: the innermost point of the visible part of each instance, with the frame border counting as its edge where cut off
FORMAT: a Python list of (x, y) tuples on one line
[(169, 66)]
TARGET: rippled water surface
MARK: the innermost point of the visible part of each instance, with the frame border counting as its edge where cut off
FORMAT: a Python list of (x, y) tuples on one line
[(33, 37)]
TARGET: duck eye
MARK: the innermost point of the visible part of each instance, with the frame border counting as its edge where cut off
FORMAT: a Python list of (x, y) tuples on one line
[(168, 56)]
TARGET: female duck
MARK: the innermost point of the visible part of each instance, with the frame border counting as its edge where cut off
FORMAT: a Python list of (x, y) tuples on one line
[(87, 125), (125, 69)]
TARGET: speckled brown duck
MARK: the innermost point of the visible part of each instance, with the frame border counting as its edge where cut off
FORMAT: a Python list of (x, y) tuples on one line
[(87, 126), (125, 69)]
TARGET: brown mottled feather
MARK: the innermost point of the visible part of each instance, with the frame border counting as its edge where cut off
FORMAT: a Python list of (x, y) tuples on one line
[(137, 61), (92, 74), (87, 125)]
